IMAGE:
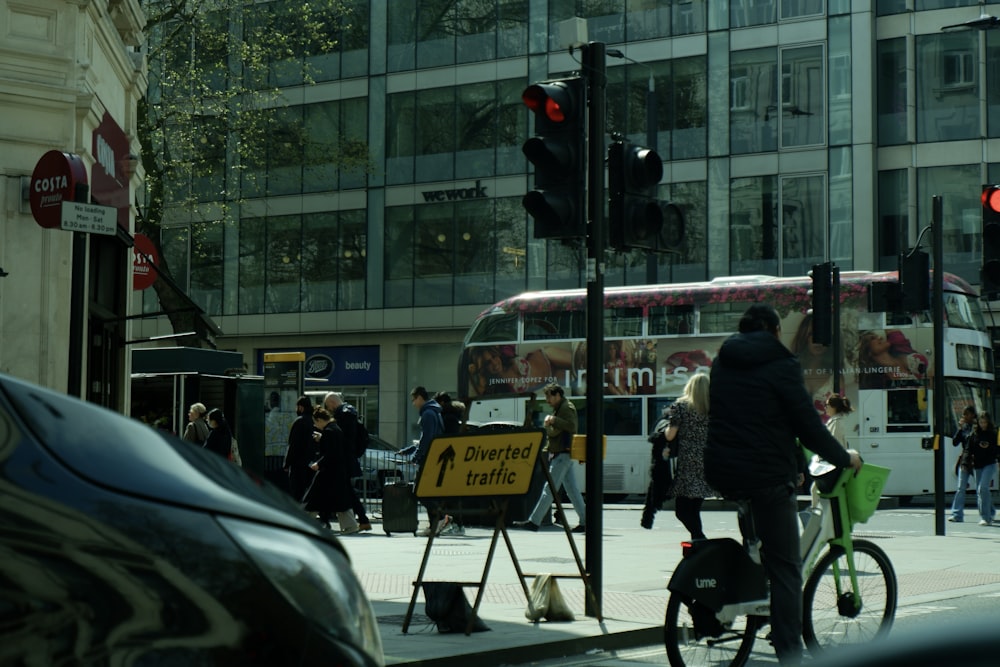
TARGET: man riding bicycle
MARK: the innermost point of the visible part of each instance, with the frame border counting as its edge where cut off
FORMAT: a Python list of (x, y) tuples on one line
[(759, 405)]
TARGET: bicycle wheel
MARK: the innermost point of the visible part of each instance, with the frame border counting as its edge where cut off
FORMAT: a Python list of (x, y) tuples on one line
[(695, 638), (830, 619)]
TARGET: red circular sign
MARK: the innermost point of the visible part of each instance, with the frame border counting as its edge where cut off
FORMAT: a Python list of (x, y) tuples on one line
[(54, 181), (144, 252)]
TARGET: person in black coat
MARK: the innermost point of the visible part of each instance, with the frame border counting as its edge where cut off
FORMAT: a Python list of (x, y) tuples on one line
[(331, 489), (220, 438), (301, 449), (759, 406)]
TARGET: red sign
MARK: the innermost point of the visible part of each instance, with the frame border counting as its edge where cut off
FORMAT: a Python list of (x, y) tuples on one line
[(143, 275), (54, 181), (109, 176)]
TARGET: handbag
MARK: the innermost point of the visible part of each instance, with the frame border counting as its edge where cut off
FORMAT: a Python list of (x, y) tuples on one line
[(446, 605), (966, 461), (234, 452)]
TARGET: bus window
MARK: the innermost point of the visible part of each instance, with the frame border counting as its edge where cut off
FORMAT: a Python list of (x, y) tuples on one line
[(622, 322), (556, 325), (722, 317), (962, 312), (973, 358), (623, 416), (907, 410), (671, 320), (495, 328)]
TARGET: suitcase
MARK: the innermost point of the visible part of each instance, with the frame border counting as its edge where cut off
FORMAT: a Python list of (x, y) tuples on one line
[(399, 508)]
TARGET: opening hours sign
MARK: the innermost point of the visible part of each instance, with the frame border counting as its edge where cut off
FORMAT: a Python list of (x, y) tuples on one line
[(480, 464)]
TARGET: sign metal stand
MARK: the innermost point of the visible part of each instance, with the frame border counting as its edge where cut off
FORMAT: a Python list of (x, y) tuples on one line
[(497, 466)]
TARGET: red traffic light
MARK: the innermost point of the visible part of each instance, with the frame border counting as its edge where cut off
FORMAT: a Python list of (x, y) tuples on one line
[(551, 99), (991, 198)]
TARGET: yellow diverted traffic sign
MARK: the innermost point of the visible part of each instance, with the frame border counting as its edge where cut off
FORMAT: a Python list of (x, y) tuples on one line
[(480, 464)]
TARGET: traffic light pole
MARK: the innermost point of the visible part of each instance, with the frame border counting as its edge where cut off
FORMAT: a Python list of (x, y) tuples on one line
[(937, 238), (595, 72)]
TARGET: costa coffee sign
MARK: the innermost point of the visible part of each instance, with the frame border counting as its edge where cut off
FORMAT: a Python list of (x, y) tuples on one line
[(143, 274), (110, 180), (54, 180)]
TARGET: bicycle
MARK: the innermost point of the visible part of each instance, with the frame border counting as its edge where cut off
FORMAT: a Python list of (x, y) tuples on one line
[(719, 598)]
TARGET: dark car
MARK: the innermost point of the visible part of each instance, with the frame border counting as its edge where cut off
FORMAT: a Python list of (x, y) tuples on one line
[(120, 545), (380, 465)]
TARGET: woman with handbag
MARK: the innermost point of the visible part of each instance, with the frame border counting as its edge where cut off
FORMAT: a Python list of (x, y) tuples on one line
[(963, 464), (984, 449), (689, 427)]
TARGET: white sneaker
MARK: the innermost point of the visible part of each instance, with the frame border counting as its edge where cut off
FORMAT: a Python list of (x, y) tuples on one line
[(984, 522), (443, 523), (426, 532)]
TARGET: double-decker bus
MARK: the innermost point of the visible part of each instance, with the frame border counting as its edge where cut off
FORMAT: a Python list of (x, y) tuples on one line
[(656, 336)]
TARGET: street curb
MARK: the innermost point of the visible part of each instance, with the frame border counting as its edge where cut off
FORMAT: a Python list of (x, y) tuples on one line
[(516, 655)]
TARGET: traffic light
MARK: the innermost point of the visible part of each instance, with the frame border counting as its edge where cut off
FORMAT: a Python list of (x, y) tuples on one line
[(559, 153), (822, 303), (634, 213), (990, 274), (914, 281)]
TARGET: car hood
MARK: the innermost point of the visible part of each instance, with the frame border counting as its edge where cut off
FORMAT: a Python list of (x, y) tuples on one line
[(130, 457)]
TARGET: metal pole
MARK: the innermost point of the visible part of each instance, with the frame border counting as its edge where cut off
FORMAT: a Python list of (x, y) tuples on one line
[(594, 63), (837, 339), (938, 382)]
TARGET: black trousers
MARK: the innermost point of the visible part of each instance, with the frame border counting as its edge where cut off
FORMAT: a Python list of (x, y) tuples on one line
[(775, 517), (688, 510)]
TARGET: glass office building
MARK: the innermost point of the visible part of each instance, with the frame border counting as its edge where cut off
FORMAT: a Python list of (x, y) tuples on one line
[(792, 132)]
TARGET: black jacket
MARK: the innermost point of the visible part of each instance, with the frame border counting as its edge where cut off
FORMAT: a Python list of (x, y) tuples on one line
[(759, 406)]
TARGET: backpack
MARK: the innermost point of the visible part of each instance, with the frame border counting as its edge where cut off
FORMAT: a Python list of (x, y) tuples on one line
[(361, 439)]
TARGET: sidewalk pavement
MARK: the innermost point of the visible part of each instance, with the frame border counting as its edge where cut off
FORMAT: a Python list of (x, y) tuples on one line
[(637, 564)]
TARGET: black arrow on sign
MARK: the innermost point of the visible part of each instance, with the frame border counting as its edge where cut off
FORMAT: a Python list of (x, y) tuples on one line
[(447, 456)]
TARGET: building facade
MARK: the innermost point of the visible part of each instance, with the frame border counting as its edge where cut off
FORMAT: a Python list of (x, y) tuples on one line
[(792, 132), (70, 78)]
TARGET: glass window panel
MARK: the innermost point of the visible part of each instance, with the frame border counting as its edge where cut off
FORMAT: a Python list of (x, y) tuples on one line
[(495, 328), (753, 101), (959, 187), (511, 128), (803, 108), (947, 86), (803, 223), (691, 263), (401, 35), (475, 30), (400, 139), (434, 255), (688, 16), (886, 7), (753, 235), (922, 5), (841, 208), (399, 248), (435, 33), (476, 130), (839, 45), (206, 266), (511, 249), (561, 324), (893, 217), (689, 103), (891, 87), (208, 165), (743, 13), (512, 32), (353, 146), (352, 260), (791, 9), (322, 127), (284, 264), (475, 252), (435, 134), (286, 144), (319, 262), (993, 82), (253, 253), (647, 19)]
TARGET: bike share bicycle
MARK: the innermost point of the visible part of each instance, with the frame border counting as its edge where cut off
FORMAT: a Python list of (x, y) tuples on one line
[(719, 598)]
